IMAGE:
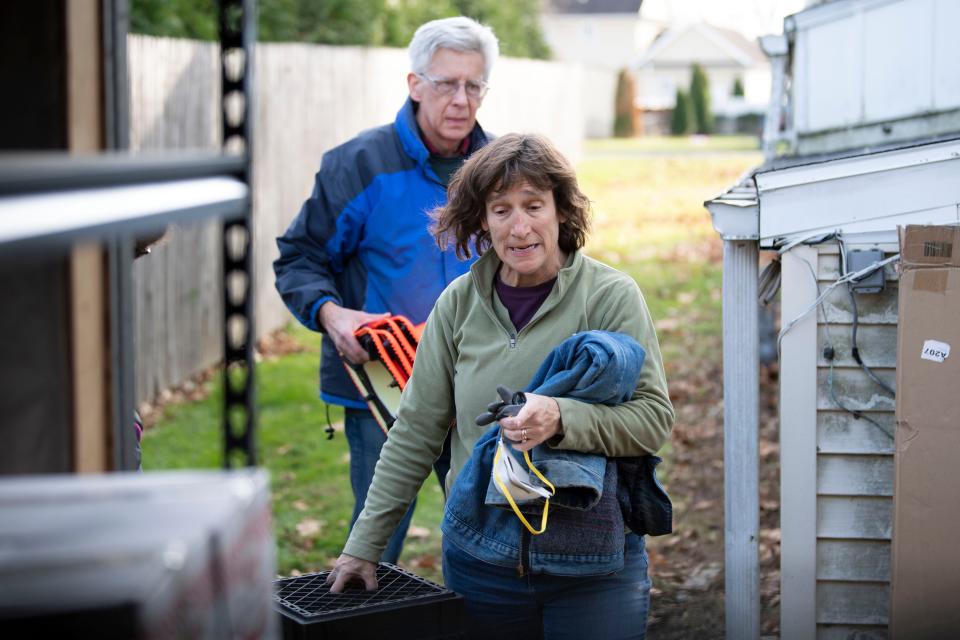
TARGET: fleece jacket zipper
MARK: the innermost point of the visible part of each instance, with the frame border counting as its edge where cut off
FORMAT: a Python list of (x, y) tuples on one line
[(524, 567)]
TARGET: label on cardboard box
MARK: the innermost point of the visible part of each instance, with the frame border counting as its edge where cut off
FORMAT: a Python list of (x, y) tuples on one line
[(930, 245), (935, 350)]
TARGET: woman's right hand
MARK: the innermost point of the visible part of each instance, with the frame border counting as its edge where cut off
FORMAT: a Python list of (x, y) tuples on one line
[(350, 569)]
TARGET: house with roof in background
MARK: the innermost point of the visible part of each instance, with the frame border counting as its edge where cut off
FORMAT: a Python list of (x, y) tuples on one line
[(604, 36), (737, 70), (660, 45)]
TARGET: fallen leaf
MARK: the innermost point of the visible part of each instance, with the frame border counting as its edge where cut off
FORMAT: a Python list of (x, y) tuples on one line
[(424, 562), (418, 532), (702, 577), (284, 450), (668, 324), (309, 527), (300, 505), (770, 535)]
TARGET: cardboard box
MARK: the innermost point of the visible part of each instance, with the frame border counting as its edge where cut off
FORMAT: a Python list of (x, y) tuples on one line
[(925, 572), (151, 555)]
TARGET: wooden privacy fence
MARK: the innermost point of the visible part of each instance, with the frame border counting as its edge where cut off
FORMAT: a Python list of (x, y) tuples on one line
[(307, 99)]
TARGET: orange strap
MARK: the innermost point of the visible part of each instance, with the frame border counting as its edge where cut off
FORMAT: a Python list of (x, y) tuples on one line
[(391, 341), (411, 333), (400, 337), (395, 340), (377, 338)]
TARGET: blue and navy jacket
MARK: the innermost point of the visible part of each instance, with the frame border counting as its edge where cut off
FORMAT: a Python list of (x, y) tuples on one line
[(361, 238)]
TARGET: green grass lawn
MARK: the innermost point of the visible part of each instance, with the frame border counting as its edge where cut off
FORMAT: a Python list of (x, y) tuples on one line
[(649, 222)]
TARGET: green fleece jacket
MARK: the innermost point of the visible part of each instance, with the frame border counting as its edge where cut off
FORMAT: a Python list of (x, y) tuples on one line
[(469, 346)]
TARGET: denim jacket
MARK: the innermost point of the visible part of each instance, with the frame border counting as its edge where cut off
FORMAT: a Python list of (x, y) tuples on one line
[(585, 530), (595, 367)]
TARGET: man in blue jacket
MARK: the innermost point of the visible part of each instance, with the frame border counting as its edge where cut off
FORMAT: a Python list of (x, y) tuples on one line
[(359, 248)]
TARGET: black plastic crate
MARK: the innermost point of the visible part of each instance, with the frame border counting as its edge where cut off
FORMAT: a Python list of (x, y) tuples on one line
[(404, 606)]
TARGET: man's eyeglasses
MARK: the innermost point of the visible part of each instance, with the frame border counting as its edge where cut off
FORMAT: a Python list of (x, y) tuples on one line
[(447, 87)]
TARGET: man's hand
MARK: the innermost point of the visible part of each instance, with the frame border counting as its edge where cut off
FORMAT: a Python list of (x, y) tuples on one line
[(350, 569), (340, 323), (537, 422)]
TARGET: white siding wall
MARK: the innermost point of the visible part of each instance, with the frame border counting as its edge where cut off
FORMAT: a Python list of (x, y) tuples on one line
[(863, 63), (601, 40), (657, 87), (839, 463), (598, 96), (599, 46)]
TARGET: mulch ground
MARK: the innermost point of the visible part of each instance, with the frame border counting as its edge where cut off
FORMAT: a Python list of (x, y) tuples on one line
[(687, 566)]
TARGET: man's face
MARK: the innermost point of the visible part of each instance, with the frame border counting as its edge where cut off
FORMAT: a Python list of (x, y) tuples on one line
[(445, 120)]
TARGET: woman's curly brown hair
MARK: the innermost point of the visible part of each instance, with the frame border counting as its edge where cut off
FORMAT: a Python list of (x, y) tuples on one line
[(507, 161)]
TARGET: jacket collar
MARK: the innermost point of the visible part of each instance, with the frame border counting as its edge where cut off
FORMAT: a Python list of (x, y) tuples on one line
[(483, 270), (406, 125)]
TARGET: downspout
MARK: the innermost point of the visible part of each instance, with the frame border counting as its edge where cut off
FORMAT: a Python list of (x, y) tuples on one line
[(736, 218), (776, 48)]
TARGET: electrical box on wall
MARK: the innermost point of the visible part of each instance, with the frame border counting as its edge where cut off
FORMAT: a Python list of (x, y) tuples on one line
[(874, 281)]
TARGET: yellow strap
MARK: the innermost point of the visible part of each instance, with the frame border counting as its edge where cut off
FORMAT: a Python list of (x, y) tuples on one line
[(513, 504)]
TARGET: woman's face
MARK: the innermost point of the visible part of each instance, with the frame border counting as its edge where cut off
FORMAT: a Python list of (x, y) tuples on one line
[(525, 230)]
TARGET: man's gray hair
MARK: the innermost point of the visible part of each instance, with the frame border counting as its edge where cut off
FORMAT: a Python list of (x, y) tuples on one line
[(459, 34)]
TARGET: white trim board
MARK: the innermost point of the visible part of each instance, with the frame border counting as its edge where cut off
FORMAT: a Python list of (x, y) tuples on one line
[(798, 447), (864, 194)]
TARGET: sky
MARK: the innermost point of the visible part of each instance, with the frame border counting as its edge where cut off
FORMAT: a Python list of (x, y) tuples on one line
[(751, 17)]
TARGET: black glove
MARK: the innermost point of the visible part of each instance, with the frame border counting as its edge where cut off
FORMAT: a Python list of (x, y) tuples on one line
[(509, 404)]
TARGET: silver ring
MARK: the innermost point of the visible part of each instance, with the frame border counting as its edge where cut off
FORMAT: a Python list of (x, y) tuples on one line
[(523, 435)]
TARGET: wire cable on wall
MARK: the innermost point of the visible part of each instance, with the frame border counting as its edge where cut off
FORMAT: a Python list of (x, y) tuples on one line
[(829, 354), (854, 349), (820, 298), (829, 351)]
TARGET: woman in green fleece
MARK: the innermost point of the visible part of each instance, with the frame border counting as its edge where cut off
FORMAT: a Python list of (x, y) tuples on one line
[(494, 326)]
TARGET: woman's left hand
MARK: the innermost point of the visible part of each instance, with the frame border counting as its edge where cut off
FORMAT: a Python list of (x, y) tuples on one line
[(537, 422)]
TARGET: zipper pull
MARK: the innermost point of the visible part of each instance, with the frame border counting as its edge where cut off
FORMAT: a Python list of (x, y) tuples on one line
[(520, 569), (513, 341)]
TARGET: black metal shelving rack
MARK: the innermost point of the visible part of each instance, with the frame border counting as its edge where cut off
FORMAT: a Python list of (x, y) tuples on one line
[(237, 36), (50, 201)]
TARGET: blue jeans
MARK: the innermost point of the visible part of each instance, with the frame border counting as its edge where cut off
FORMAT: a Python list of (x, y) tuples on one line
[(365, 439), (501, 604)]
